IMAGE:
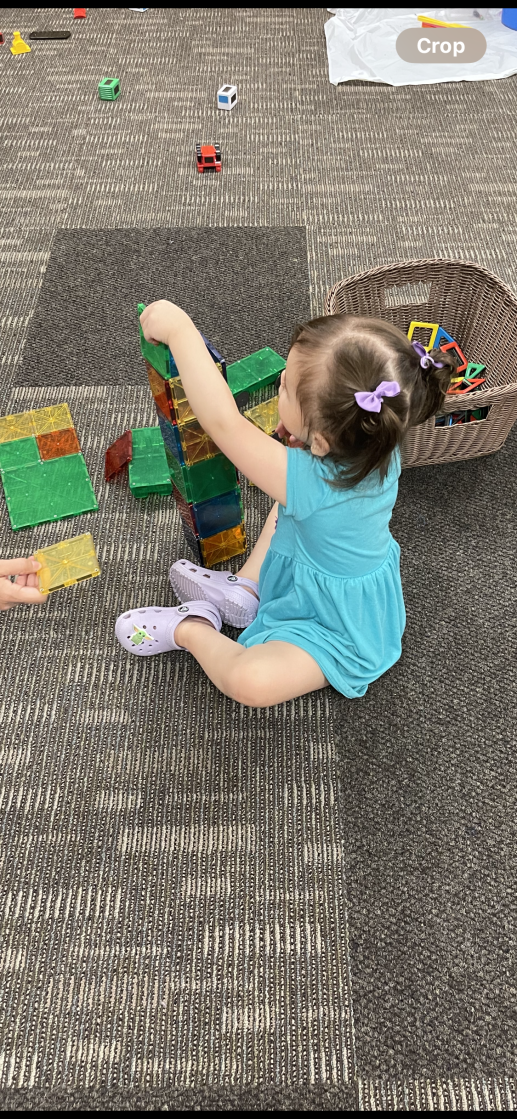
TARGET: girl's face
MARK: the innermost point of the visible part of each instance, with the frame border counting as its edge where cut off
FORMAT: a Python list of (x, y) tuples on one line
[(288, 407), (289, 410)]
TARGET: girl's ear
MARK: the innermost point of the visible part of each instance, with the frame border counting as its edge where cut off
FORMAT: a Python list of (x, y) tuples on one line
[(319, 445)]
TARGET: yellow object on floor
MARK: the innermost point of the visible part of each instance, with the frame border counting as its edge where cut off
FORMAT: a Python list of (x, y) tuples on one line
[(19, 47), (67, 563)]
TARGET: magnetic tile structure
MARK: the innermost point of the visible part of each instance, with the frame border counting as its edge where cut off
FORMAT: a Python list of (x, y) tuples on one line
[(70, 561), (205, 483), (142, 450), (43, 472)]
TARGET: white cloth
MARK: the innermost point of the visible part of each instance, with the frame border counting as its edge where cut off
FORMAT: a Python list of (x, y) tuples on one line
[(361, 45)]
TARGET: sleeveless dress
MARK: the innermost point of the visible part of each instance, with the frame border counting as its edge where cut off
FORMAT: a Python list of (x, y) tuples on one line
[(330, 581)]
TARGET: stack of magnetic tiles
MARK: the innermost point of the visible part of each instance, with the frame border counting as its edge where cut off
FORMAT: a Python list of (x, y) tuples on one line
[(43, 471), (205, 483)]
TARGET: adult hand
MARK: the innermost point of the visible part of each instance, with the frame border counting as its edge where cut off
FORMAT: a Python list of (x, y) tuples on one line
[(24, 589)]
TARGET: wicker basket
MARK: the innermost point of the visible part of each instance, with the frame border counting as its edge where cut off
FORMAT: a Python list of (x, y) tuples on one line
[(481, 314)]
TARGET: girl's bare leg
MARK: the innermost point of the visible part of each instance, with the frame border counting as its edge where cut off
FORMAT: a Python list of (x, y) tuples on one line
[(257, 677)]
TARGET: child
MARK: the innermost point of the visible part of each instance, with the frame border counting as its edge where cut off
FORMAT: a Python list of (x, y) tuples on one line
[(320, 595)]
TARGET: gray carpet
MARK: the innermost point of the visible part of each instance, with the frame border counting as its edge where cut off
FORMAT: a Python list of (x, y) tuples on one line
[(205, 908)]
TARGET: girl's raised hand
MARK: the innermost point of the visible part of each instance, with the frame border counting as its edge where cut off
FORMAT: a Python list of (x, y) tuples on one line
[(283, 433), (25, 587), (160, 319)]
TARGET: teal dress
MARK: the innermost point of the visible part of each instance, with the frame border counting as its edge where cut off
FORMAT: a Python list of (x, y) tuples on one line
[(330, 582)]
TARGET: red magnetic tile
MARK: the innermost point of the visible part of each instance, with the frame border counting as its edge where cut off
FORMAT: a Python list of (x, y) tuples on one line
[(118, 455)]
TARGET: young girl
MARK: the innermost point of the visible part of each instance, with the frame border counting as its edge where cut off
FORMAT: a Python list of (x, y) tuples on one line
[(320, 595)]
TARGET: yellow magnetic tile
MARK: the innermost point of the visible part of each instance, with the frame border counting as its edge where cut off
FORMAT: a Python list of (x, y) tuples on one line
[(265, 415), (224, 545), (18, 426), (55, 418), (196, 443), (66, 563), (180, 403)]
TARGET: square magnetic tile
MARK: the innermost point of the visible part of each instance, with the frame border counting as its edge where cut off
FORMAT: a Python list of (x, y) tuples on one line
[(55, 444), (70, 561), (48, 491), (18, 452)]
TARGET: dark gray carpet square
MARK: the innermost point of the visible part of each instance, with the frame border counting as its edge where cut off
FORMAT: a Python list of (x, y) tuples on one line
[(244, 288)]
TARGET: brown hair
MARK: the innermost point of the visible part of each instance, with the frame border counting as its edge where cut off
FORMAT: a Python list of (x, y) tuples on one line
[(354, 354)]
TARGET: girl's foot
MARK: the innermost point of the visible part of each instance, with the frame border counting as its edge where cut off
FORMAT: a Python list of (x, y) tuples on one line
[(236, 598), (151, 629)]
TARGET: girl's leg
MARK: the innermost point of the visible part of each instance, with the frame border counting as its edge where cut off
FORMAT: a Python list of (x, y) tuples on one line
[(251, 569), (257, 677)]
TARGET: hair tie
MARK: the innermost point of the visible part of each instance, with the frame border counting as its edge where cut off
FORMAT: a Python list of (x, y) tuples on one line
[(426, 361), (372, 401)]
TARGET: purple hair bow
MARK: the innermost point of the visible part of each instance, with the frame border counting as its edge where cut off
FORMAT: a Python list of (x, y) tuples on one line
[(426, 361), (372, 401)]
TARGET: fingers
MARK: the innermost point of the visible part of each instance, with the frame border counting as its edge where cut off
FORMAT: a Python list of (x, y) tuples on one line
[(21, 566), (12, 594)]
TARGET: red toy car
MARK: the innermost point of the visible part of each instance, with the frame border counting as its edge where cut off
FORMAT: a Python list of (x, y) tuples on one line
[(208, 157)]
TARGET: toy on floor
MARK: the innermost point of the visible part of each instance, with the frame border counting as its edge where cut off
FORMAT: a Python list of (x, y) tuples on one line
[(208, 157), (50, 34), (109, 89), (43, 472), (2, 39), (227, 97), (19, 47), (79, 13), (142, 450), (70, 561), (469, 382)]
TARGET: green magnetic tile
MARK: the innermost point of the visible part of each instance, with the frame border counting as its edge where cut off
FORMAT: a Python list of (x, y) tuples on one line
[(48, 491), (145, 491), (146, 437), (176, 473), (157, 356), (18, 453), (209, 478), (149, 470), (255, 371)]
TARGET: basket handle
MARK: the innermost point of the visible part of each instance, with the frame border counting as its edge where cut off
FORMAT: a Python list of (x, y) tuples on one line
[(497, 395)]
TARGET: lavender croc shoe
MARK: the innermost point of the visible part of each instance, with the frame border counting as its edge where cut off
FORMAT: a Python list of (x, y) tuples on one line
[(226, 591), (150, 630)]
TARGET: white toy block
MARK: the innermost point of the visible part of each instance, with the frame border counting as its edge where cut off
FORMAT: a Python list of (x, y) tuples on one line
[(227, 97)]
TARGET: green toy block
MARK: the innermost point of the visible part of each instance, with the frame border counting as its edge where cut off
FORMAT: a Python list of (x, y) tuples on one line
[(205, 479), (157, 356), (148, 470), (176, 473), (47, 491), (18, 453), (146, 437), (255, 371), (109, 89)]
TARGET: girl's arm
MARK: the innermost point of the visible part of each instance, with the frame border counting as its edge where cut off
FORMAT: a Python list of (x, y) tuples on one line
[(261, 459)]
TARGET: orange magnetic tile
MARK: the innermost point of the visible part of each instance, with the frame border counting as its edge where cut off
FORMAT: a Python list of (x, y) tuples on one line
[(54, 444), (219, 548)]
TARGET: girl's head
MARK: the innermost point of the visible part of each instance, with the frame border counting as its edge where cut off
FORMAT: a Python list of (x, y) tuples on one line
[(334, 357)]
